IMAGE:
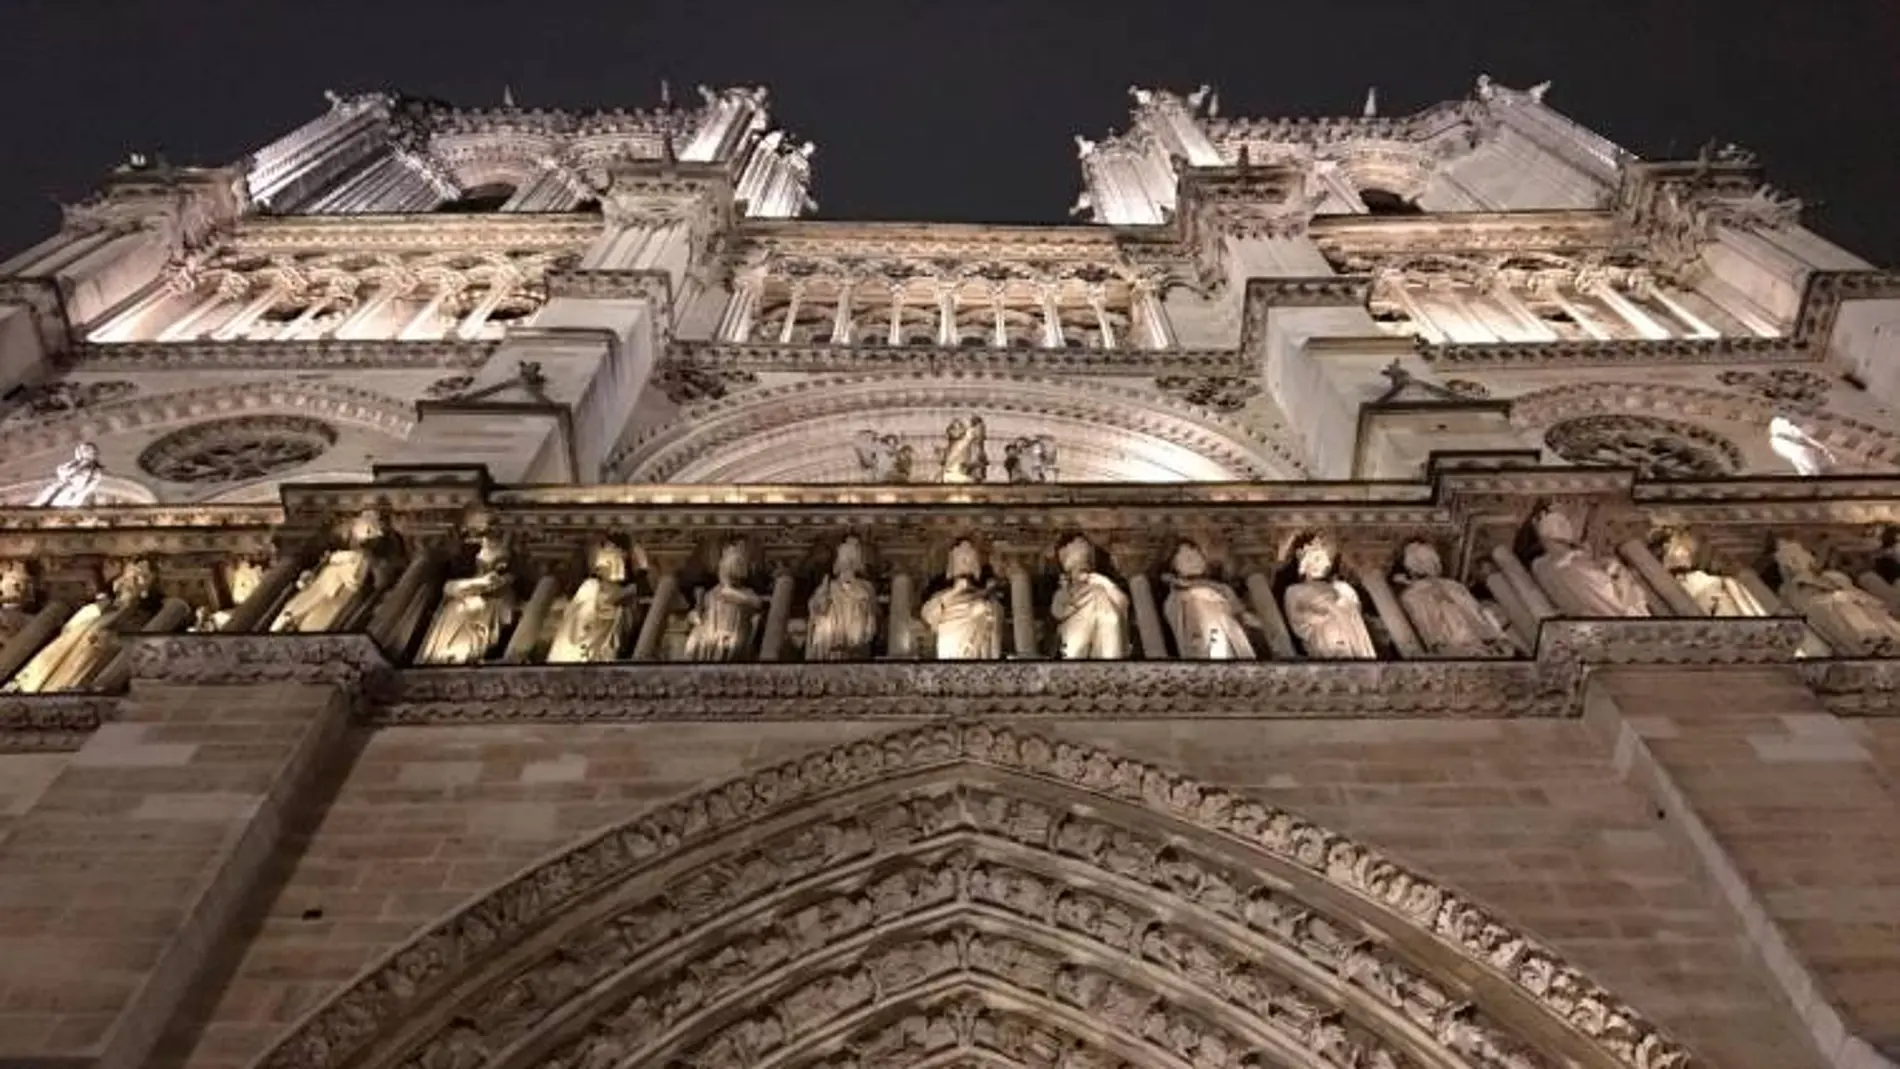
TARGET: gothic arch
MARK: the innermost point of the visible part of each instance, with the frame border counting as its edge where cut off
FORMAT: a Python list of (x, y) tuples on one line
[(331, 401), (802, 432), (968, 894), (1542, 409)]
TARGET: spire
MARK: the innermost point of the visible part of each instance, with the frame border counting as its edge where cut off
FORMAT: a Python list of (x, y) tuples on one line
[(1371, 109), (507, 95)]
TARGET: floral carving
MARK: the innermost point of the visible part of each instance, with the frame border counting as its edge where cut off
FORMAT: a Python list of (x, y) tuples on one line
[(1780, 386), (684, 383), (1657, 448), (1218, 393), (237, 449)]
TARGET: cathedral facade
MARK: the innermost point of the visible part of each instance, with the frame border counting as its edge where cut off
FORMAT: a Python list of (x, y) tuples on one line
[(509, 588)]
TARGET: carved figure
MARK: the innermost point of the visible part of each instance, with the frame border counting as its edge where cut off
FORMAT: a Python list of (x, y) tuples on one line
[(474, 611), (74, 482), (1091, 612), (599, 617), (1718, 595), (1794, 445), (1208, 619), (328, 595), (1323, 610), (1030, 460), (843, 610), (721, 626), (1577, 581), (1854, 622), (964, 459), (89, 639), (964, 616), (1443, 611), (885, 458), (241, 579)]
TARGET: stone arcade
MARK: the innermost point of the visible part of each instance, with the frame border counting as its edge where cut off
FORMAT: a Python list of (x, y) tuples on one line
[(501, 587)]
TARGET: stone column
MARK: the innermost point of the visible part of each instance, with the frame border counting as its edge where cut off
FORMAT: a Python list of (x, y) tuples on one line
[(1051, 319), (895, 335), (1812, 644), (1536, 602), (250, 313), (499, 289), (666, 591), (1402, 295), (796, 298), (38, 632), (524, 643), (1698, 327), (1154, 640), (946, 315), (394, 621), (1873, 584), (1022, 612), (778, 617), (417, 325), (1098, 303), (1638, 319), (1658, 578), (181, 328), (1397, 624), (1514, 306), (1523, 620), (256, 611), (149, 850), (1586, 321), (999, 321), (172, 616), (900, 632), (1153, 317), (841, 318), (1272, 620)]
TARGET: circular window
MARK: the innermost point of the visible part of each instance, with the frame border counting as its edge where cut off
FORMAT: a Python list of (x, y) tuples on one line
[(1656, 448), (237, 450)]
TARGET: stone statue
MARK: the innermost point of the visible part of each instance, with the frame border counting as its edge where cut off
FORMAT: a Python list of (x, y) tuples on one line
[(475, 612), (843, 610), (1577, 581), (1854, 622), (1445, 613), (1323, 610), (1030, 460), (89, 639), (241, 580), (1794, 445), (74, 482), (721, 626), (16, 596), (964, 459), (964, 616), (1208, 619), (1718, 595), (884, 457), (599, 617), (1090, 611), (329, 594)]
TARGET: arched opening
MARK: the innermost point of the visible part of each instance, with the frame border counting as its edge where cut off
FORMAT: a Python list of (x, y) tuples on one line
[(482, 198), (972, 895), (1386, 202)]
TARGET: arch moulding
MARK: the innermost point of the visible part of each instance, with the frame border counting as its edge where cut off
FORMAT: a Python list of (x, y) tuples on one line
[(967, 894)]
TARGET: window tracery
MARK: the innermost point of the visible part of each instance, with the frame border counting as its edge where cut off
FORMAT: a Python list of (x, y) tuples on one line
[(1657, 448), (237, 449)]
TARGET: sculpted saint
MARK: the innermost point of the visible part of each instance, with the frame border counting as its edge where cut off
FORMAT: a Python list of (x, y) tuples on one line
[(1718, 595), (964, 458), (1854, 622), (964, 616), (598, 619), (1577, 581), (843, 610), (17, 591), (1445, 613), (74, 482), (1090, 611), (90, 639), (1323, 610), (475, 612), (721, 626), (1208, 619), (328, 595)]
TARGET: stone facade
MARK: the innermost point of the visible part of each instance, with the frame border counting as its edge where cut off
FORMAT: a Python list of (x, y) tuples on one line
[(501, 588)]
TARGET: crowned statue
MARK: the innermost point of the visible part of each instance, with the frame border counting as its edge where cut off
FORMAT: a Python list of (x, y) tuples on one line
[(964, 617), (1090, 611), (1715, 594), (598, 619), (329, 595), (1577, 581), (722, 624), (1323, 611), (90, 637), (475, 612), (1208, 619), (1447, 616), (1854, 622), (843, 610)]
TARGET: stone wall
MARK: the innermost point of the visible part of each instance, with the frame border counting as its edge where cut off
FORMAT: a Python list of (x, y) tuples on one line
[(1529, 817)]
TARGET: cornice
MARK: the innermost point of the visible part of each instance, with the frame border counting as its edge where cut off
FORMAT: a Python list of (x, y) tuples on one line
[(500, 231), (822, 359), (1539, 231), (888, 241), (1331, 130), (325, 354), (1526, 356)]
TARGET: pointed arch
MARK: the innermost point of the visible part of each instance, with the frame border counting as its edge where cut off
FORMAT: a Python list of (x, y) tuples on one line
[(970, 894)]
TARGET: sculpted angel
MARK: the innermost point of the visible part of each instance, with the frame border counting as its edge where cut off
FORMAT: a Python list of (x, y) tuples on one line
[(598, 619), (1208, 619), (1324, 611), (843, 610)]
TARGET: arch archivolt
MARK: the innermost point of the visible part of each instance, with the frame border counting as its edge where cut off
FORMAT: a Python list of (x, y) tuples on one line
[(1745, 416), (1129, 434), (963, 894)]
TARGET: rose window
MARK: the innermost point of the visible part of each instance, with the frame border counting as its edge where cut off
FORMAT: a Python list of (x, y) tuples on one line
[(237, 450), (1656, 448)]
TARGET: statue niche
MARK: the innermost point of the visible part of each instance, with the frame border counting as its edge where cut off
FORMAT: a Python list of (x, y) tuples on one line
[(1090, 610), (724, 619), (332, 595), (1208, 619), (598, 619), (90, 638), (964, 617), (475, 612), (1324, 611), (842, 613)]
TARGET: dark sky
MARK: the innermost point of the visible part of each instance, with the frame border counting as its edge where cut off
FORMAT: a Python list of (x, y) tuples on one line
[(961, 110)]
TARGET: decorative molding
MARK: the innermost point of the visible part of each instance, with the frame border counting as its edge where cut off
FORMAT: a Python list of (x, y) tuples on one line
[(327, 354), (486, 232), (349, 660), (819, 358)]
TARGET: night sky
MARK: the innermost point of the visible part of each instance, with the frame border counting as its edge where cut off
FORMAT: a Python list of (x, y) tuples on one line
[(961, 111)]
